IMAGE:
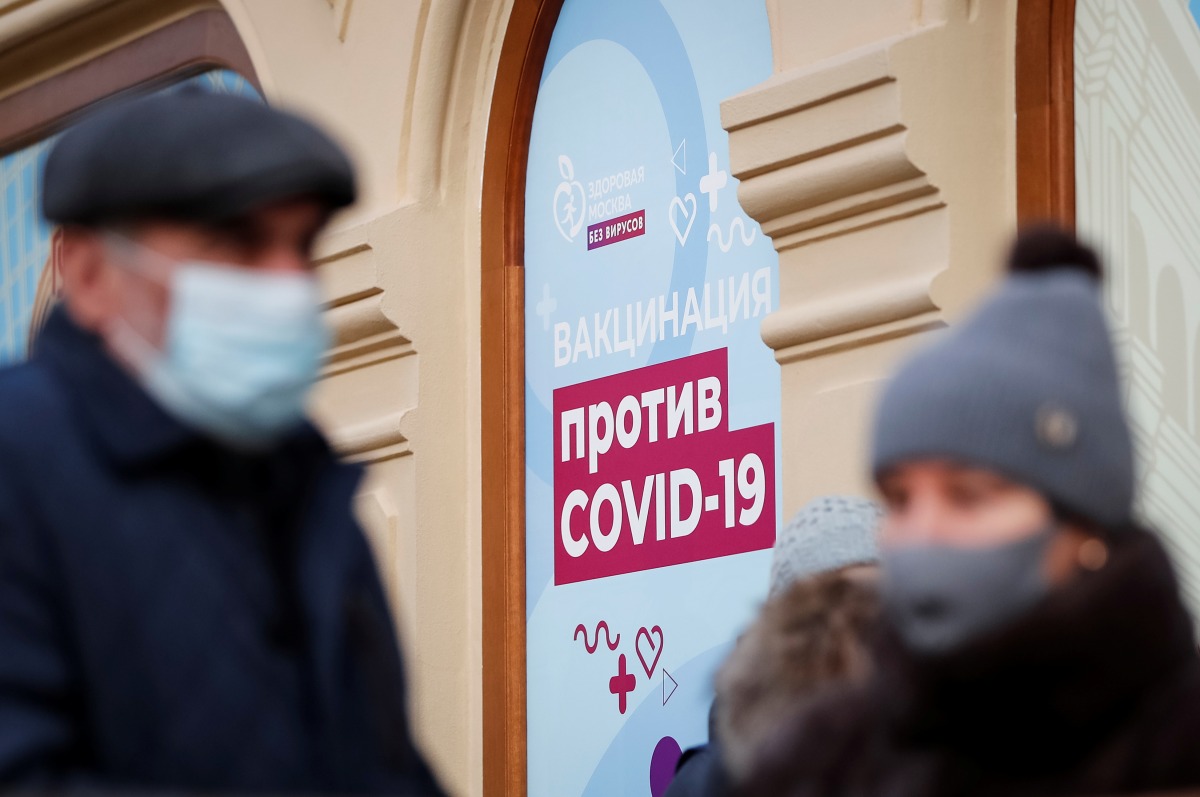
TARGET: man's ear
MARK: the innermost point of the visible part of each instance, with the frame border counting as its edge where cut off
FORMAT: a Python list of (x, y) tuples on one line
[(87, 280)]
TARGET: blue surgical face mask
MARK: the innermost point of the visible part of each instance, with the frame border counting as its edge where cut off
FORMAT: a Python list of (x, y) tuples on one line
[(940, 597), (241, 349)]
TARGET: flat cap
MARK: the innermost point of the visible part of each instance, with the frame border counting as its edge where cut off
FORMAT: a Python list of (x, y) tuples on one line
[(191, 155)]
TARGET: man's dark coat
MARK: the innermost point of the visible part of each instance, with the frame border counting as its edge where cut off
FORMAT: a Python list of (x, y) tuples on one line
[(176, 615)]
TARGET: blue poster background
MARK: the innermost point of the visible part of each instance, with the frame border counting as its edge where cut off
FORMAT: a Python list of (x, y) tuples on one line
[(633, 87)]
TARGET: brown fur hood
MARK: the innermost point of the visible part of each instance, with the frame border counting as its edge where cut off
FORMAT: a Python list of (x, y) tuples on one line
[(810, 636)]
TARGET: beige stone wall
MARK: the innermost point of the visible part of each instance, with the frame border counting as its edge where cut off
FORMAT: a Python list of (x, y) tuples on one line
[(405, 84), (880, 159)]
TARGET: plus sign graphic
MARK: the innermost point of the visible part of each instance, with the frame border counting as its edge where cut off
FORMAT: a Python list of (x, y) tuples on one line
[(713, 182), (622, 684), (546, 306)]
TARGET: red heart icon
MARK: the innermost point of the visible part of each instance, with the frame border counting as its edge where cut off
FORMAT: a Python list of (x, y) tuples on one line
[(656, 649)]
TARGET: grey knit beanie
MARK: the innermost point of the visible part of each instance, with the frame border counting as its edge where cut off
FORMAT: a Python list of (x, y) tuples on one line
[(1026, 387), (829, 533)]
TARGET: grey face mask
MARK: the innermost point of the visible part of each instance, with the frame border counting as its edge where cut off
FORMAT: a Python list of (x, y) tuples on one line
[(939, 597)]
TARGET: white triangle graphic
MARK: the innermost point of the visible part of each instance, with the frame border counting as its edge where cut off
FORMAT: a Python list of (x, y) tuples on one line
[(679, 159)]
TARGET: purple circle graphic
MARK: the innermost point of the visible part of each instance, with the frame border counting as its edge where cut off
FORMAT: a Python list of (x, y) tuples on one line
[(662, 765)]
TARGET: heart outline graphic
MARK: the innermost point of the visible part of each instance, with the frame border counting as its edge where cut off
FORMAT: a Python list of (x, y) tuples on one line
[(637, 647), (682, 205)]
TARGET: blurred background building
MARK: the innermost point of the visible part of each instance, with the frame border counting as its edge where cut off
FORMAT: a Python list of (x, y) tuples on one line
[(888, 151)]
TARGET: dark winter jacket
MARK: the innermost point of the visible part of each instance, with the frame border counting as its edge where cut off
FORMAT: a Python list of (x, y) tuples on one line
[(701, 770), (175, 616), (700, 773), (1095, 691)]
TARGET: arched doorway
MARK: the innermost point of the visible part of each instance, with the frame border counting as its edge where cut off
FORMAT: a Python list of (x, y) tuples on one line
[(649, 323)]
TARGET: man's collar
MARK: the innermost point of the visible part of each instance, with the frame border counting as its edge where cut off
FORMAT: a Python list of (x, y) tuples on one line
[(130, 427)]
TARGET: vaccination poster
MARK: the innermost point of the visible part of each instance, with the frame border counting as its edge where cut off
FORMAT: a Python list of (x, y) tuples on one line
[(652, 404)]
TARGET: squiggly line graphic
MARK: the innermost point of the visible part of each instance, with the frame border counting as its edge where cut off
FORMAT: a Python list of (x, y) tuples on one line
[(737, 222), (595, 643)]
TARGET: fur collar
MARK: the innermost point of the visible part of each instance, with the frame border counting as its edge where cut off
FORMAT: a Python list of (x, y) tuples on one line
[(811, 636)]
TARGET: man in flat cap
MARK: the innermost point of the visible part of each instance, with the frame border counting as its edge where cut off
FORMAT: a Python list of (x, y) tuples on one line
[(185, 600)]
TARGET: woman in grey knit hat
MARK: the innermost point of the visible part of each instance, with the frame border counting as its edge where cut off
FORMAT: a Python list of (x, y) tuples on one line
[(1034, 640)]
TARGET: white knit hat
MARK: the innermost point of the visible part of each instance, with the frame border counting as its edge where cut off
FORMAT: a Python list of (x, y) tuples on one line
[(829, 533)]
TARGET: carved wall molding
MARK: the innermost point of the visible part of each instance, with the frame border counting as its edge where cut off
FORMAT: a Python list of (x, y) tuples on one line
[(871, 314), (821, 152), (363, 425), (879, 160)]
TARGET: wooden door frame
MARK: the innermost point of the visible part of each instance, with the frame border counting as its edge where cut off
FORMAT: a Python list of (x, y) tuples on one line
[(502, 345), (1045, 105)]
